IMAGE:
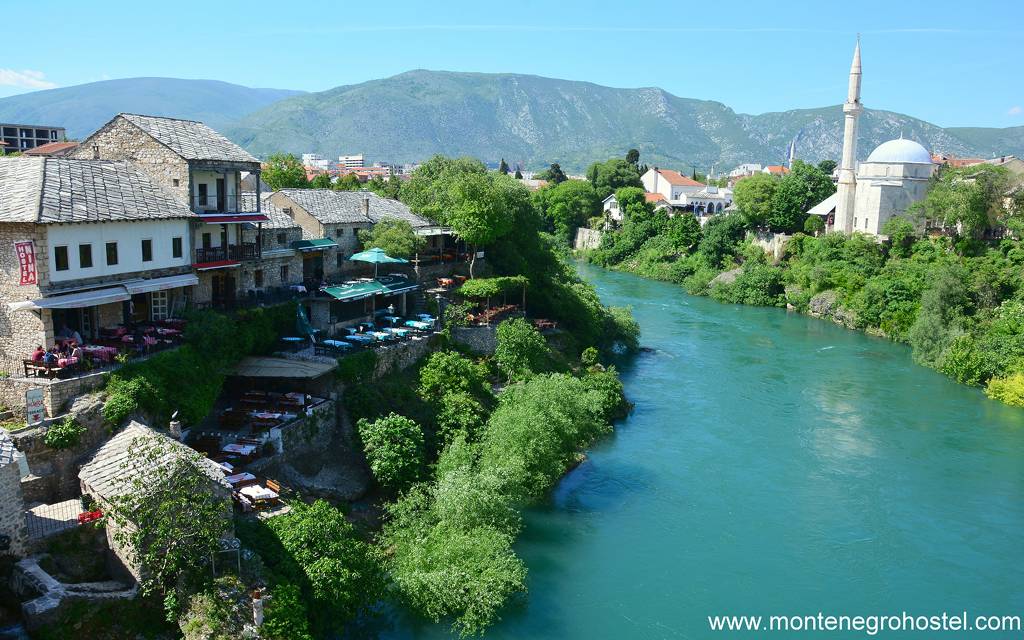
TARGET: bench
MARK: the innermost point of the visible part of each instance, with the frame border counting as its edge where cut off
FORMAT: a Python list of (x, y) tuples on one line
[(35, 369)]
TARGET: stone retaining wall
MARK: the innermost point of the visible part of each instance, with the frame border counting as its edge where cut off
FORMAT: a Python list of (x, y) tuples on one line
[(587, 239), (480, 340)]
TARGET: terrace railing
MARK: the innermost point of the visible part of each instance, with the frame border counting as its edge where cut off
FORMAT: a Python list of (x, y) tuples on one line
[(243, 251)]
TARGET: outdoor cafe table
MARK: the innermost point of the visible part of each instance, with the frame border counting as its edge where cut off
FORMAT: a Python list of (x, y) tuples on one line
[(99, 352), (392, 319), (256, 492), (417, 324), (339, 344), (361, 339), (401, 333), (380, 335), (240, 477), (425, 317), (240, 449)]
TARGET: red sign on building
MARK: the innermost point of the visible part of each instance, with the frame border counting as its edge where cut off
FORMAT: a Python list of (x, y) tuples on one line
[(27, 261)]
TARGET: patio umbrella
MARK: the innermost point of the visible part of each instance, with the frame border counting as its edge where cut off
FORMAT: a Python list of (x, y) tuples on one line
[(376, 256)]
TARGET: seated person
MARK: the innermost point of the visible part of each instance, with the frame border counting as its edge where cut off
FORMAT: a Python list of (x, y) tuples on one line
[(76, 337), (37, 355), (50, 357), (76, 352)]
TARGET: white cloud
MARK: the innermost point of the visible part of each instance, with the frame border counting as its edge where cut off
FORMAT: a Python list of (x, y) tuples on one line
[(1015, 110), (26, 78)]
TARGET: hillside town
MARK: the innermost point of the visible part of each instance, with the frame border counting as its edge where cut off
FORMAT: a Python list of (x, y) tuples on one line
[(184, 332)]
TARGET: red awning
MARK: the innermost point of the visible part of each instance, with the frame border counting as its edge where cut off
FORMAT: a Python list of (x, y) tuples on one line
[(226, 218), (219, 264)]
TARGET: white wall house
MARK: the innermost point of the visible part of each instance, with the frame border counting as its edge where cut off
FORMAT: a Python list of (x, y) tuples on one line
[(111, 249), (671, 184)]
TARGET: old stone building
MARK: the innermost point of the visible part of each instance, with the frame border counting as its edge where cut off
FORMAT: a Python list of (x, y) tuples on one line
[(280, 264), (117, 467), (85, 244), (13, 530), (331, 221), (205, 170)]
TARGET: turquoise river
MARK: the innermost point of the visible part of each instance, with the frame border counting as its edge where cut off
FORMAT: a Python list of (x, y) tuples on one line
[(774, 464)]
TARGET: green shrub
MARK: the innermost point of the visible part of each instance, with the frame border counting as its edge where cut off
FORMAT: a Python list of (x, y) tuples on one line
[(64, 434), (286, 617), (521, 350), (357, 367), (1009, 389), (394, 449)]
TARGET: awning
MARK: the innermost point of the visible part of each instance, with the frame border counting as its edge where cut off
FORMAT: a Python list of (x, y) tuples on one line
[(317, 244), (395, 285), (269, 367), (161, 284), (826, 206), (356, 291), (74, 300), (232, 218), (219, 264)]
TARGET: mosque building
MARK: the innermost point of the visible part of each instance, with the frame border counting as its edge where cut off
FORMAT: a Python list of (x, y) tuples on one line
[(894, 176)]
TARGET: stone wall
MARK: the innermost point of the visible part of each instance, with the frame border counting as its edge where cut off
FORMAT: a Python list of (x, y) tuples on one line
[(403, 355), (21, 331), (121, 140), (774, 244), (54, 472), (587, 239), (56, 393), (479, 340), (12, 503)]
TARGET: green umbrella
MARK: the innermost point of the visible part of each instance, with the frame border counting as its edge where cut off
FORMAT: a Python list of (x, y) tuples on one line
[(376, 256)]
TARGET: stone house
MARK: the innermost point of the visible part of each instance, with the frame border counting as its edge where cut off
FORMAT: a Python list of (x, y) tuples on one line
[(115, 469), (85, 244), (205, 171), (331, 221), (280, 264)]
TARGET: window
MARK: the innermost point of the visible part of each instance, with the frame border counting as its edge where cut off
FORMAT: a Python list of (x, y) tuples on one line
[(147, 250), (60, 258), (341, 260), (175, 182), (95, 152), (85, 256), (159, 307), (176, 247), (257, 278), (282, 238), (284, 274), (340, 232), (111, 253), (865, 223), (207, 241)]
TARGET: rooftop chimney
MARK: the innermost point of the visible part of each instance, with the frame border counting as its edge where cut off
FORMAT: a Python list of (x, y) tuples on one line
[(366, 205)]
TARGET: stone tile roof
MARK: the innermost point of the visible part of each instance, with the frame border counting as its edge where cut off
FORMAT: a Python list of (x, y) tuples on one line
[(6, 449), (50, 190), (112, 469), (278, 218), (346, 207), (190, 139)]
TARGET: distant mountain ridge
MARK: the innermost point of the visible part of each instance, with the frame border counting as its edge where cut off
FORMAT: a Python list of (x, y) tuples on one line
[(81, 109), (525, 119)]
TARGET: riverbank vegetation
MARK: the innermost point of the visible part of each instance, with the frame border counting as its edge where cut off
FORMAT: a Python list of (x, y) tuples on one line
[(957, 298)]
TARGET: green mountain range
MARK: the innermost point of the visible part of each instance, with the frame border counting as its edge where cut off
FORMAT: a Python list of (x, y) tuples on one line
[(527, 120)]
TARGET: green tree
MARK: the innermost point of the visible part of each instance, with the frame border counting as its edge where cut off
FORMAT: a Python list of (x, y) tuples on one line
[(521, 350), (503, 167), (554, 174), (395, 236), (320, 181), (633, 157), (721, 235), (827, 166), (942, 318), (814, 225), (394, 449), (284, 171), (901, 236), (479, 210), (519, 174), (448, 371), (347, 182), (799, 190), (610, 176), (755, 197), (971, 198), (340, 575), (568, 205), (168, 518), (683, 231)]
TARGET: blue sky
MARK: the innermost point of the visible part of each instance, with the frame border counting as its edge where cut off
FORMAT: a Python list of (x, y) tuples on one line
[(951, 63)]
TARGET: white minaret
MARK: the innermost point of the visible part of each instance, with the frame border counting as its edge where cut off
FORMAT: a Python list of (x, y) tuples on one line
[(847, 192)]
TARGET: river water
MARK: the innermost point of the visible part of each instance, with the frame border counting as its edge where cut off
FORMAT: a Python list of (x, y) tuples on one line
[(774, 464)]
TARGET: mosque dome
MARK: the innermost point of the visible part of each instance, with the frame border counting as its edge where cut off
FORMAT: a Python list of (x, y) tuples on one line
[(901, 151)]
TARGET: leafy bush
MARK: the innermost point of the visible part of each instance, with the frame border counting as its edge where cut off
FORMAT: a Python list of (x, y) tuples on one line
[(286, 617), (521, 350), (447, 371), (394, 449), (1009, 389), (64, 434), (356, 367)]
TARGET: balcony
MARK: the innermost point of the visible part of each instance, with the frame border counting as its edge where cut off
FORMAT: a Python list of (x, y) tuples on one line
[(243, 251), (218, 203)]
